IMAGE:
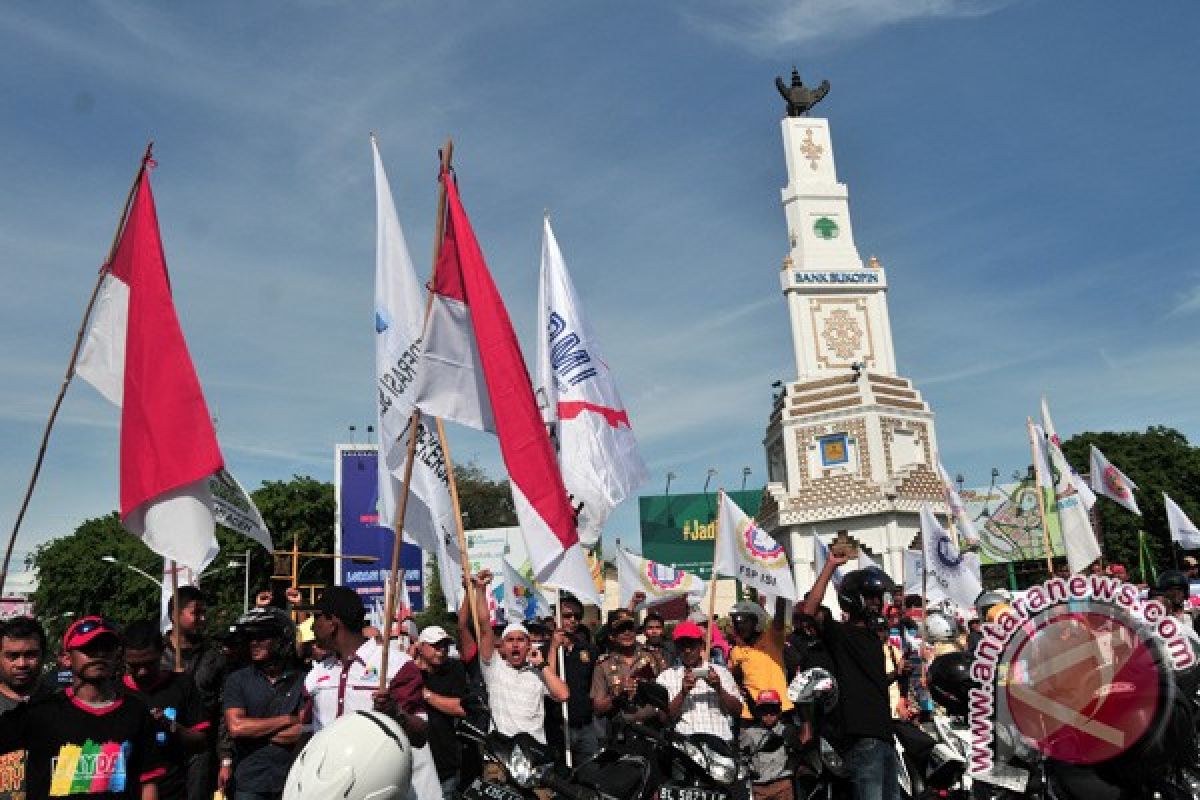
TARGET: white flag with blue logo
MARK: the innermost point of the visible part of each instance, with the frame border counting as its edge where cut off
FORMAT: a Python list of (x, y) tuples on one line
[(399, 318), (950, 574), (522, 600), (597, 452)]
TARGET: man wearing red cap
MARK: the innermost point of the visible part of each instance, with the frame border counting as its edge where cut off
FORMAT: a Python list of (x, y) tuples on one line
[(771, 746), (704, 698), (89, 740)]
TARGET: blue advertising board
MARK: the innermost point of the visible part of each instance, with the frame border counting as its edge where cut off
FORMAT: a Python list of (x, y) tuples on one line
[(359, 534)]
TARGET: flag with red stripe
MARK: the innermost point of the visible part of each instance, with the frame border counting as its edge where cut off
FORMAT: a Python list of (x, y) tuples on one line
[(472, 372)]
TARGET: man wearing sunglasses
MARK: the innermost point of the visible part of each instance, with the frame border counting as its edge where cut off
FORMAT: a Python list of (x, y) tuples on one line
[(579, 664), (89, 740), (445, 687)]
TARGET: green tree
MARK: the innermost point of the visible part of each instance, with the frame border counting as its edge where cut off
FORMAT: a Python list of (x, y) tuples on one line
[(73, 581), (485, 503), (1158, 460)]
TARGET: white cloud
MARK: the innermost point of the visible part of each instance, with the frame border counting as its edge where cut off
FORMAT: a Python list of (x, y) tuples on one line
[(1188, 303), (775, 24)]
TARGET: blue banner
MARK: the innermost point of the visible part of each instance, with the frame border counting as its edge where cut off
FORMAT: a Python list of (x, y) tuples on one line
[(358, 515)]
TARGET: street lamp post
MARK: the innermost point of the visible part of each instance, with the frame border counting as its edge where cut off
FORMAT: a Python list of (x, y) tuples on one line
[(138, 570)]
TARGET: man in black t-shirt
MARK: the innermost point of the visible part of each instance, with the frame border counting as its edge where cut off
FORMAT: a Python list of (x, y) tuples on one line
[(174, 702), (22, 648), (90, 740), (445, 687), (865, 716), (204, 663), (579, 662)]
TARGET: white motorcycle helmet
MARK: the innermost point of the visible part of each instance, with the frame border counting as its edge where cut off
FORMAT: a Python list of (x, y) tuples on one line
[(361, 756), (940, 627)]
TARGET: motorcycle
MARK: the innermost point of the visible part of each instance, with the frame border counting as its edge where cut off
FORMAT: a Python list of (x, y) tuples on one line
[(527, 765), (651, 764)]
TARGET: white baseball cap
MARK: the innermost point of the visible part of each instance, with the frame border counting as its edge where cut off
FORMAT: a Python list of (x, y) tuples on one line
[(434, 634)]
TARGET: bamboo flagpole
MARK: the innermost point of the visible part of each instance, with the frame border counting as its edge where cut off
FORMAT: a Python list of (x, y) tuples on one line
[(458, 525), (70, 372), (176, 639), (562, 674), (1041, 497), (414, 423), (712, 593)]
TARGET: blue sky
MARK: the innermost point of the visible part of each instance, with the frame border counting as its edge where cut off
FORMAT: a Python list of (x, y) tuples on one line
[(1025, 170)]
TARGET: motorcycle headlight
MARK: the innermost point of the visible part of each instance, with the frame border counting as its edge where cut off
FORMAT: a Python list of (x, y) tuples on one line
[(520, 768), (721, 768)]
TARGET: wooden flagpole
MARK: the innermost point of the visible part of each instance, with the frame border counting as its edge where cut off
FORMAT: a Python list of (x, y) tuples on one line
[(462, 534), (70, 373), (413, 424), (712, 580), (1041, 498), (176, 639)]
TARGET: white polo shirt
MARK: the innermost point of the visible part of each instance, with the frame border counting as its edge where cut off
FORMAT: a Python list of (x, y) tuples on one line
[(337, 689), (517, 698), (702, 712)]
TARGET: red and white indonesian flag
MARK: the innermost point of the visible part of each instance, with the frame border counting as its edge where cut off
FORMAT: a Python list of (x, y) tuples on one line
[(136, 356), (597, 451), (1111, 482), (1183, 530), (750, 554), (659, 582), (472, 372), (966, 528), (399, 318), (949, 574)]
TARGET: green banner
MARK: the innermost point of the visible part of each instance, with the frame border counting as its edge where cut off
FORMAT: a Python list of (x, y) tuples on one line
[(679, 529)]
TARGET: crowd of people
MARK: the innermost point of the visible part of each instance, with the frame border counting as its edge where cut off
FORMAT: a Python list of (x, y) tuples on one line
[(132, 712)]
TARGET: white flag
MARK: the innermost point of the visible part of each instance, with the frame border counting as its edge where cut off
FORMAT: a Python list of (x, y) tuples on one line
[(1085, 492), (658, 582), (950, 575), (914, 568), (1111, 482), (1076, 526), (966, 528), (233, 508), (599, 457), (522, 600), (748, 553), (1182, 529), (399, 317)]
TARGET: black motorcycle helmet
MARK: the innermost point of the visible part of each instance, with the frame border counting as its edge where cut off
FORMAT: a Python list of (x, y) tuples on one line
[(268, 622), (1173, 579), (950, 682), (860, 584)]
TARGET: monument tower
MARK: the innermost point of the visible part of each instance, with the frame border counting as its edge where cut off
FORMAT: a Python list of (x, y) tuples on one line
[(850, 444)]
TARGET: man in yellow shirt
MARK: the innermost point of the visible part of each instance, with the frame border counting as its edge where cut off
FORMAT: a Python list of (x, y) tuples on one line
[(756, 661)]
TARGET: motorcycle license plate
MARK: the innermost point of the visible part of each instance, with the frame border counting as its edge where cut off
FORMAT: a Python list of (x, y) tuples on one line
[(688, 793), (1006, 777), (494, 791)]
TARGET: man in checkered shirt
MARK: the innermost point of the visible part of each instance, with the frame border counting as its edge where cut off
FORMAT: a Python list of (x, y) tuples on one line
[(704, 698)]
